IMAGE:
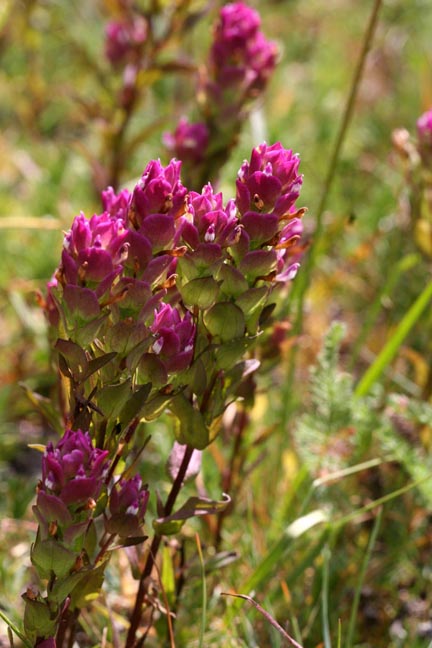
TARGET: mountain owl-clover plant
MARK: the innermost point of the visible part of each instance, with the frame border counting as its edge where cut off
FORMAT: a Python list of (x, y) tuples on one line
[(156, 307)]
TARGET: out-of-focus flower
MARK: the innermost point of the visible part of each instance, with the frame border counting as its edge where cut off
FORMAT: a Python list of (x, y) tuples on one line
[(189, 142), (123, 39), (127, 507), (424, 134), (241, 58), (74, 470), (50, 642), (174, 338)]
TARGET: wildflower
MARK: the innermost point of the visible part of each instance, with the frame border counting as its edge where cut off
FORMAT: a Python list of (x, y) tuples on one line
[(127, 507), (241, 59), (93, 252), (158, 201), (74, 470), (123, 40), (188, 142), (424, 134), (174, 338), (270, 182)]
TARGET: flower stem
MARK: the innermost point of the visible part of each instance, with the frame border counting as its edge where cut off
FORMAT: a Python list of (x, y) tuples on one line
[(151, 557)]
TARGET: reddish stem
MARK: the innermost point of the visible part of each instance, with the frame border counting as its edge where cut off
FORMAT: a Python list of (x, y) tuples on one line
[(131, 641)]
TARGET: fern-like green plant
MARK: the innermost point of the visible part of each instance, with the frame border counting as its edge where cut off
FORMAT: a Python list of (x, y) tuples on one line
[(342, 429)]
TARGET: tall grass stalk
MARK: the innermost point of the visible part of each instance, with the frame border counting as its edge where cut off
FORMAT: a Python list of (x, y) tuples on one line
[(325, 597), (357, 593), (304, 278), (204, 593), (393, 344)]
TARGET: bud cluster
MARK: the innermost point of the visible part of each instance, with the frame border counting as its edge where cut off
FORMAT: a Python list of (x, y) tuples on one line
[(416, 155), (71, 546), (240, 63)]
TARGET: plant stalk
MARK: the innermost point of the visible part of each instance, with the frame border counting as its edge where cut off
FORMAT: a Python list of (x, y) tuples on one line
[(131, 641)]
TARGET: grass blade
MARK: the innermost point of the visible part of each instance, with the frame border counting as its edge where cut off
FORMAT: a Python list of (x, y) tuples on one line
[(325, 595), (14, 629), (356, 601), (204, 593), (392, 346)]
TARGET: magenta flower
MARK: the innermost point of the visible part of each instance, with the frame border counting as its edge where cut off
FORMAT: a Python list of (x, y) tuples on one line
[(93, 252), (127, 506), (189, 142), (270, 182), (174, 338), (241, 58), (424, 128), (424, 134), (123, 40), (116, 205), (74, 470), (208, 222), (158, 201)]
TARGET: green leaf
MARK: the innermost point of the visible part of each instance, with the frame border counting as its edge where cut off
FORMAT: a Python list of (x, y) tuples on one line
[(74, 356), (192, 428), (112, 398), (64, 586), (39, 620), (135, 405), (167, 576), (201, 292), (225, 320), (233, 281), (96, 364), (89, 588), (51, 556), (151, 370)]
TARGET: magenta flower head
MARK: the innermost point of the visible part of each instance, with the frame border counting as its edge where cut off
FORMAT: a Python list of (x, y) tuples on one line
[(270, 182), (174, 338), (158, 201), (189, 142), (116, 205), (123, 40), (208, 222), (74, 470), (127, 506), (424, 134), (93, 252), (241, 56)]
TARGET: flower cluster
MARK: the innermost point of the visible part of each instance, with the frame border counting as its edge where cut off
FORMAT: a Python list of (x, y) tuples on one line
[(241, 59), (70, 548), (127, 507), (124, 39), (73, 471), (239, 65), (139, 274), (189, 142)]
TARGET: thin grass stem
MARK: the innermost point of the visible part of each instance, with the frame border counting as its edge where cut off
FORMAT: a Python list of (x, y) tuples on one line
[(357, 593), (325, 597), (204, 593)]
